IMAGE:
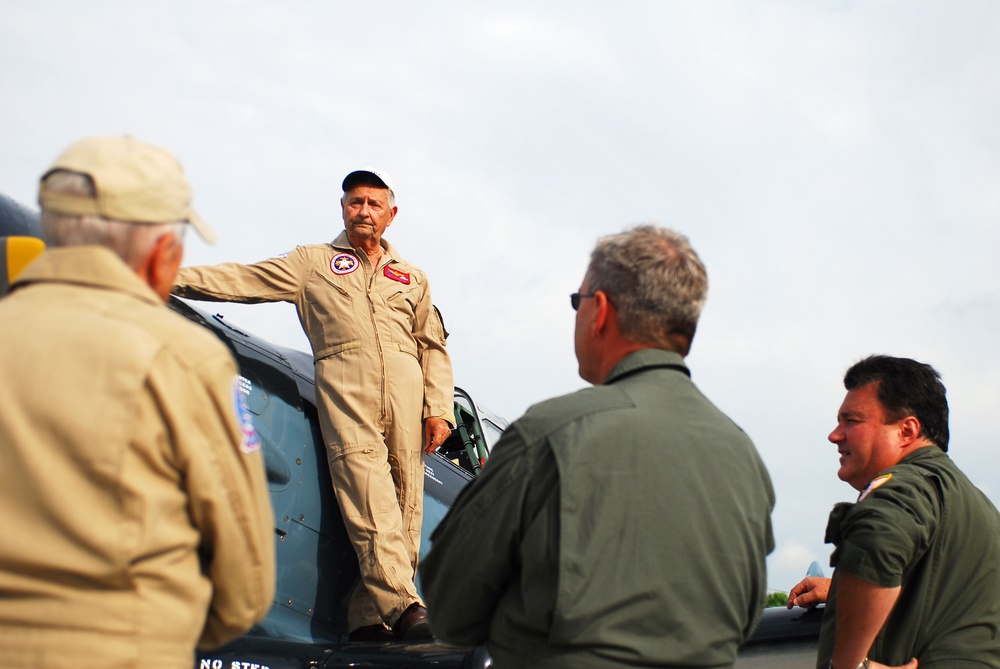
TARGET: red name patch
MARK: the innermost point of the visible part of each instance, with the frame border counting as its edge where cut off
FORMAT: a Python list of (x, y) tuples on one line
[(402, 277)]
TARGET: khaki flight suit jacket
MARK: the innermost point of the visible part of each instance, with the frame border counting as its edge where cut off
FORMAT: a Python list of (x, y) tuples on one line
[(342, 310), (134, 509)]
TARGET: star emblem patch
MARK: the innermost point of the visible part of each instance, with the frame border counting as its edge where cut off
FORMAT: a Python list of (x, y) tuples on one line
[(344, 263)]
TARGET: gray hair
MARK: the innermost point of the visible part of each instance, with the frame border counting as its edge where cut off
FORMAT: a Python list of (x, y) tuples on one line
[(129, 240), (655, 281)]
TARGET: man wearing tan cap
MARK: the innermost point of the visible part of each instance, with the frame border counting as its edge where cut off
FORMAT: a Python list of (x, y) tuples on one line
[(381, 371), (133, 504), (623, 525)]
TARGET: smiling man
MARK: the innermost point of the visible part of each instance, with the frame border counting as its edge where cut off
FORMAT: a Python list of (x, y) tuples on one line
[(917, 576), (384, 388)]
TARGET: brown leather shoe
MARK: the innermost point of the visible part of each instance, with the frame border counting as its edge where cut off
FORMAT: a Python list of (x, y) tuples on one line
[(413, 624), (371, 633)]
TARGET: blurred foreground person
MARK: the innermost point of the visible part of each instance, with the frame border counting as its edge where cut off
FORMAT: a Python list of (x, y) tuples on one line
[(624, 525), (136, 520), (916, 571)]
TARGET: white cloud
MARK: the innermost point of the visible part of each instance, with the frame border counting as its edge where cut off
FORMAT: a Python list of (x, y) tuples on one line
[(793, 558)]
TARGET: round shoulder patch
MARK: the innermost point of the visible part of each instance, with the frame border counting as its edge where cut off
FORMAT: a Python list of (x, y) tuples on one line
[(250, 440), (876, 483), (344, 263)]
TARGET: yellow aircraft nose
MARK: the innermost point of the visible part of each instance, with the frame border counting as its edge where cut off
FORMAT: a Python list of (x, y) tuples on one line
[(16, 253)]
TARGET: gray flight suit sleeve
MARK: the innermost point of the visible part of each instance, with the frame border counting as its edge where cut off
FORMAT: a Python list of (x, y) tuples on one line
[(475, 548), (884, 534)]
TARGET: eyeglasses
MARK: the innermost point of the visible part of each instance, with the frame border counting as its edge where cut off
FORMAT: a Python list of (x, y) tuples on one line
[(574, 299)]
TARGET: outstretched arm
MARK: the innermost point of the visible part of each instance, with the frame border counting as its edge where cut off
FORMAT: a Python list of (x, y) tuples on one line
[(278, 279)]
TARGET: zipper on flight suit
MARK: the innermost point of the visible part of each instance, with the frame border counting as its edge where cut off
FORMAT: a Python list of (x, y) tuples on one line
[(384, 413)]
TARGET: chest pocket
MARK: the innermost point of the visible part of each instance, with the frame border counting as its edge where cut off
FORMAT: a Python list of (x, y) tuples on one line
[(331, 312), (398, 318)]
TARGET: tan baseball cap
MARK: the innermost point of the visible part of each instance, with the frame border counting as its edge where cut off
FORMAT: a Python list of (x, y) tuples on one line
[(134, 181)]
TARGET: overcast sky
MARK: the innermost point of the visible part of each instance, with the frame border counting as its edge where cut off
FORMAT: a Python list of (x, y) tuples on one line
[(836, 165)]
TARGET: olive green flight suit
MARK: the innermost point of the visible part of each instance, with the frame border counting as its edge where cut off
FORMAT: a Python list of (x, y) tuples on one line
[(928, 529), (134, 511), (381, 368), (624, 525)]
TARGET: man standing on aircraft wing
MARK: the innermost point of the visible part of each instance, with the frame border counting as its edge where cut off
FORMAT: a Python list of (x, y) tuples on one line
[(134, 509), (917, 577), (625, 525), (382, 371)]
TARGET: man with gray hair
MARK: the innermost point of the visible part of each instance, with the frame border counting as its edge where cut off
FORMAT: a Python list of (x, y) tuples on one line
[(623, 525), (384, 388), (135, 513)]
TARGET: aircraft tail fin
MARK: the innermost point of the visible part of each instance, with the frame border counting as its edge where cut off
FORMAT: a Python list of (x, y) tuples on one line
[(815, 570)]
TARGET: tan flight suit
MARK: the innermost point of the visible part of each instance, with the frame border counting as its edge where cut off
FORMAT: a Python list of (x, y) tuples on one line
[(134, 511), (381, 368)]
